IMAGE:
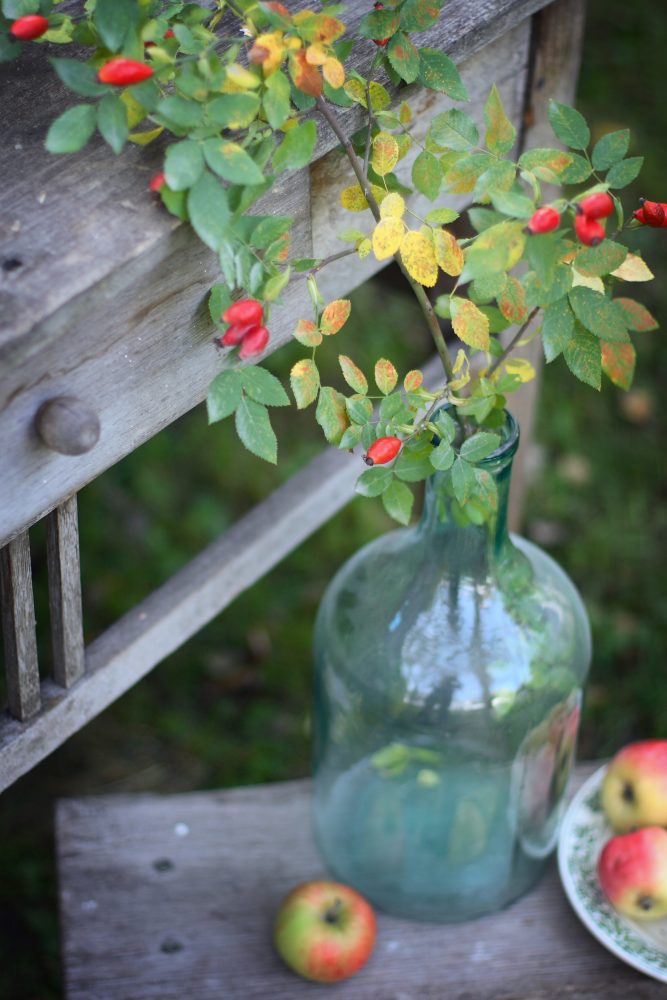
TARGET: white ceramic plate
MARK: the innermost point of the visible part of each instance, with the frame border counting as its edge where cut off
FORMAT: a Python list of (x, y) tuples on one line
[(584, 832)]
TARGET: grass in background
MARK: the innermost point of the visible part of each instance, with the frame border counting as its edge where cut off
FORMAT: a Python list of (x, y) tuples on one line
[(232, 706)]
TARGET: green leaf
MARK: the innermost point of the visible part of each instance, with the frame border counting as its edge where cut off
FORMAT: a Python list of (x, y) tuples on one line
[(598, 314), (623, 173), (224, 395), (577, 172), (331, 414), (414, 462), (375, 481), (112, 121), (183, 164), (418, 15), (583, 356), (276, 284), (442, 457), (270, 229), (557, 328), (18, 8), (234, 111), (359, 408), (463, 480), (499, 176), (463, 176), (79, 77), (427, 175), (179, 111), (218, 301), (253, 426), (113, 19), (175, 202), (72, 130), (351, 437), (569, 125), (305, 382), (545, 293), (498, 248), (594, 262), (391, 406), (518, 206), (353, 375), (296, 149), (8, 49), (208, 211), (479, 446), (397, 500), (379, 24), (403, 56), (547, 164), (447, 427), (147, 94), (438, 72), (263, 387), (486, 491), (231, 162), (455, 130), (610, 149), (442, 216), (276, 100), (500, 133)]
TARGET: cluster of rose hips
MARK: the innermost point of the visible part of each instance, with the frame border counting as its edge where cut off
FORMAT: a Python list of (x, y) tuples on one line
[(652, 213), (246, 328), (586, 221)]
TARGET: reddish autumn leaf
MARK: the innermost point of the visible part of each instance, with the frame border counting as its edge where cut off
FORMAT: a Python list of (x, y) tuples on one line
[(618, 363), (636, 316), (306, 77), (413, 380), (512, 301), (335, 315)]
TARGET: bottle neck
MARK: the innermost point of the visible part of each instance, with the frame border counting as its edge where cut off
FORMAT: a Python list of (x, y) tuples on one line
[(471, 548)]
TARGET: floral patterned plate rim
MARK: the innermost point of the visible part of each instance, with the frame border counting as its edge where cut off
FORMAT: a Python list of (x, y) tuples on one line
[(584, 832)]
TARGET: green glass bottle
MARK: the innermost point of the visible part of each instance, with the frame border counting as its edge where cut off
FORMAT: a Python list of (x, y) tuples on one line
[(450, 659)]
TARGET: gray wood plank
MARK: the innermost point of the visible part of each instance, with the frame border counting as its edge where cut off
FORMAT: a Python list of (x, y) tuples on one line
[(18, 628), (147, 356), (62, 552), (170, 897)]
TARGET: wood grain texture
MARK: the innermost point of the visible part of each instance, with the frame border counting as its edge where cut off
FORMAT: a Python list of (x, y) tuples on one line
[(109, 301), (18, 629), (170, 897), (64, 571)]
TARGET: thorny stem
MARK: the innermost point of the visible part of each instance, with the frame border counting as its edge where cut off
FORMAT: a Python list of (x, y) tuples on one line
[(323, 263), (421, 296)]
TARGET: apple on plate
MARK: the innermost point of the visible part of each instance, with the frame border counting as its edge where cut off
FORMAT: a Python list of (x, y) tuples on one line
[(632, 870), (634, 790), (324, 931)]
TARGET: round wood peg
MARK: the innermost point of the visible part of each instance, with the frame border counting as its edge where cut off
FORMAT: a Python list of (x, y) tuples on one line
[(67, 425)]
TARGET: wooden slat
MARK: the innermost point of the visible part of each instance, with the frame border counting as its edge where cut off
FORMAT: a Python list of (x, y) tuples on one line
[(18, 627), (555, 58), (62, 549), (166, 897)]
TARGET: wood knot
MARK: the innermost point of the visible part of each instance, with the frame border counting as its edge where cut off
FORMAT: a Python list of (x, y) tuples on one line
[(67, 425)]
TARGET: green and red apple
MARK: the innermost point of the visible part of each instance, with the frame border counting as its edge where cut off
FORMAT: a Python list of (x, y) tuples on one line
[(325, 931), (632, 870), (634, 790)]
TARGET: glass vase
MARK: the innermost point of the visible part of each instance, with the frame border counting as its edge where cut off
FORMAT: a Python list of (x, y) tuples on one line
[(450, 659)]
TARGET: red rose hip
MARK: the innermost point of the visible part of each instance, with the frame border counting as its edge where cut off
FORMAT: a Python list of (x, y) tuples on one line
[(245, 311), (544, 220), (157, 181), (590, 232), (597, 206), (29, 27), (384, 450), (124, 72), (254, 342)]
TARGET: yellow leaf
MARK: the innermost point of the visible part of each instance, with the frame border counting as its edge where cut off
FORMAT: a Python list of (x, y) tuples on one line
[(316, 55), (387, 237), (334, 73), (470, 324), (385, 153), (334, 316), (418, 256), (353, 199), (143, 138), (448, 253), (404, 144), (405, 114), (633, 268), (356, 91), (306, 333), (380, 98), (328, 28), (135, 112), (386, 376), (241, 77), (520, 368), (500, 133), (353, 375), (393, 206), (596, 284), (364, 248), (268, 51), (305, 382)]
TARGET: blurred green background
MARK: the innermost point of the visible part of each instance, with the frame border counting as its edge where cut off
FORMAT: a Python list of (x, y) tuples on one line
[(231, 707)]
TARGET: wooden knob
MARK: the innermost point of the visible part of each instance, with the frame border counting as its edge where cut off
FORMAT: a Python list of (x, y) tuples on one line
[(67, 425)]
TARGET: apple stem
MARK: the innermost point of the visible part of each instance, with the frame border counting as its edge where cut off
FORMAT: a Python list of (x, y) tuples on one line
[(628, 792), (645, 903), (333, 913)]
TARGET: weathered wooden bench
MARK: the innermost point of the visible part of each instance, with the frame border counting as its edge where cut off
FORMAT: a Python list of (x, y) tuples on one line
[(105, 340)]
